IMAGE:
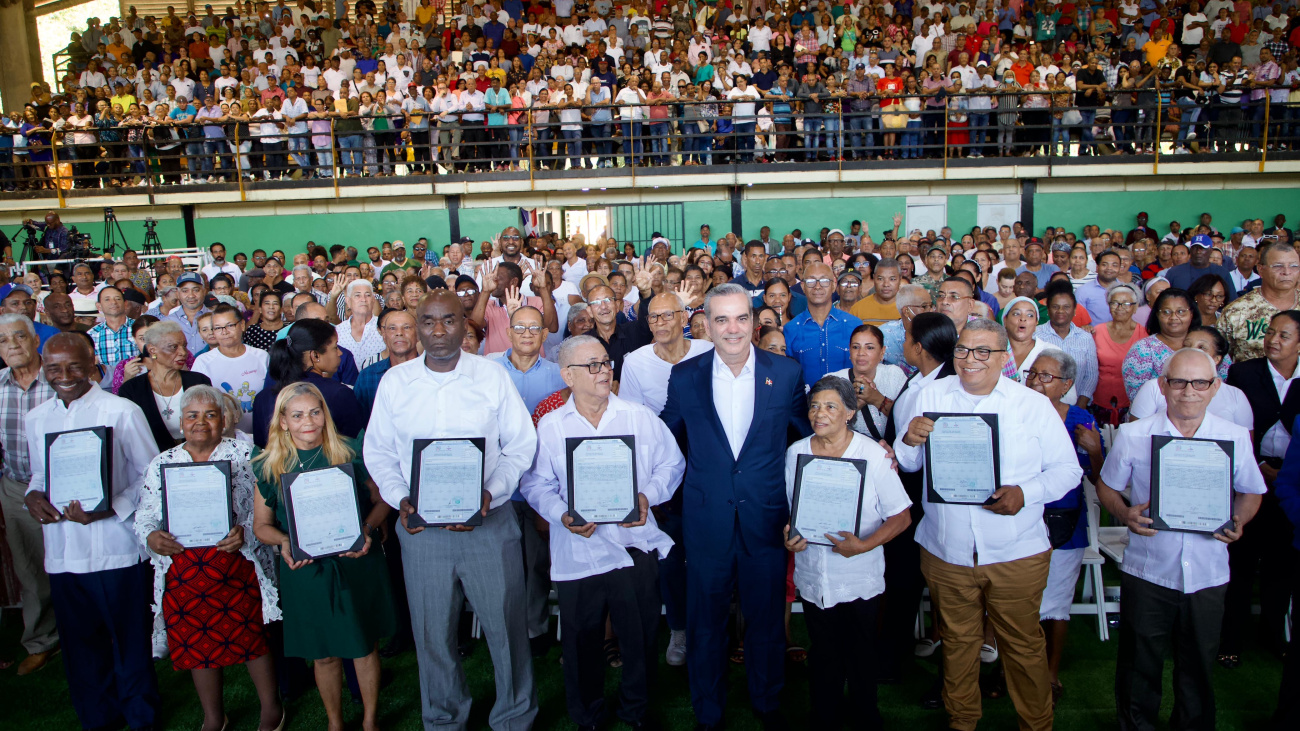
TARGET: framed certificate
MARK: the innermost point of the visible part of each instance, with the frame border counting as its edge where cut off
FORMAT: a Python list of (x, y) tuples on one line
[(602, 479), (827, 497), (323, 510), (196, 502), (962, 462), (447, 482), (79, 466), (1191, 484)]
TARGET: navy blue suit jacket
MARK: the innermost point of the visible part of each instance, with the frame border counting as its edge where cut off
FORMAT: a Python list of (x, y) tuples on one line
[(719, 486)]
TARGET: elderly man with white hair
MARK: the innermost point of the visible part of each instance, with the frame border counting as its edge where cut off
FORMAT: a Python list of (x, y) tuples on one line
[(911, 300), (303, 276), (360, 335), (609, 569), (1173, 582)]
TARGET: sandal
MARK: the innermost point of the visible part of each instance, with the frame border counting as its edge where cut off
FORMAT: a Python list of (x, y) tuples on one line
[(796, 654), (612, 654), (1231, 662), (738, 653)]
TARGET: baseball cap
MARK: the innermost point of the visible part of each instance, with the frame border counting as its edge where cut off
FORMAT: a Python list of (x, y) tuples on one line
[(254, 273), (189, 277), (18, 287), (131, 295), (1202, 240), (936, 247), (861, 66), (1238, 230)]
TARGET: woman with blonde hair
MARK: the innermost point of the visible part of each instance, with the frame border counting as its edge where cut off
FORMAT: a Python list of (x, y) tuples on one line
[(337, 607)]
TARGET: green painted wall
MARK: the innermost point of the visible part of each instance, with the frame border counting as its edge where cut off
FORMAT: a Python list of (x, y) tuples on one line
[(715, 213), (481, 224), (811, 214), (290, 232), (1118, 209)]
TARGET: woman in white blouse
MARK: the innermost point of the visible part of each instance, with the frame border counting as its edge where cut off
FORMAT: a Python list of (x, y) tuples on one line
[(876, 385), (841, 576)]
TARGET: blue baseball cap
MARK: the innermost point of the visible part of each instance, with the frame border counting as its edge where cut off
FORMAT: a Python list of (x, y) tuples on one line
[(1202, 240), (189, 278)]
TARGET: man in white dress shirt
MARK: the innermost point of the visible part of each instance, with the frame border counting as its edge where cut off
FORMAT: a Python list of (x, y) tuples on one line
[(219, 264), (446, 394), (1173, 583), (645, 381), (992, 558), (98, 584), (610, 568)]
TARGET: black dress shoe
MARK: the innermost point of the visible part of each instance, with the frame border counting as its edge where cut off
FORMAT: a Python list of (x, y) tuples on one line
[(933, 698), (773, 721)]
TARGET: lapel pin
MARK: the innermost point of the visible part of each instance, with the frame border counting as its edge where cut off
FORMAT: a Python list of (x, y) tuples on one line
[(769, 381)]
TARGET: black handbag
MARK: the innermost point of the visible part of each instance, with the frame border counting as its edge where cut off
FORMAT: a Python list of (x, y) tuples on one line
[(1061, 523)]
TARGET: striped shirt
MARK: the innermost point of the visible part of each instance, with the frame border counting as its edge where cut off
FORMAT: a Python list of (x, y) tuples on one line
[(15, 403)]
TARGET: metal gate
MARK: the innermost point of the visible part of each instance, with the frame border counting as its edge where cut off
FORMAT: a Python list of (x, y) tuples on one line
[(638, 223)]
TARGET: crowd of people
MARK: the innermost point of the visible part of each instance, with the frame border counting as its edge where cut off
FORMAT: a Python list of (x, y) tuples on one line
[(727, 363), (270, 90)]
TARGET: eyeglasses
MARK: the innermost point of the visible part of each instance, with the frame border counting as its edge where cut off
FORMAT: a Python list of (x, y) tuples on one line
[(521, 329), (1044, 378), (950, 296), (662, 316), (1175, 313), (770, 272), (961, 352), (1179, 384), (914, 310), (594, 367), (467, 293), (600, 302), (511, 238), (1287, 268), (224, 328), (1123, 305), (849, 285), (822, 282)]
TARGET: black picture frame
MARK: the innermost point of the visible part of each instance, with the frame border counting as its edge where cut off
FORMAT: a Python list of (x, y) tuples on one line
[(105, 434), (571, 444), (222, 466), (802, 463), (992, 421), (286, 490), (417, 448), (1159, 442)]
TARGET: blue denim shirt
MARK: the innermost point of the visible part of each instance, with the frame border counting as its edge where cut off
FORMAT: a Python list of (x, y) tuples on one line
[(820, 349)]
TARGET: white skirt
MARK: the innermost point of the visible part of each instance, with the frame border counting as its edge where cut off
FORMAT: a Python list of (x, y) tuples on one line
[(1062, 578)]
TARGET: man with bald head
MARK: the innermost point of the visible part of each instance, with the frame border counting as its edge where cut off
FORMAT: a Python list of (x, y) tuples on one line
[(450, 394), (98, 583), (62, 313), (645, 381), (819, 337), (608, 570), (1174, 583)]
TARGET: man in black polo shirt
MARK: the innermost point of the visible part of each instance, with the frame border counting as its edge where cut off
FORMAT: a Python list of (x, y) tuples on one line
[(619, 339)]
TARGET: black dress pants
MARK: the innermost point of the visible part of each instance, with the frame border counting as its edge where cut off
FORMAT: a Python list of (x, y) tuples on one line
[(843, 650), (1155, 621), (1287, 716), (1262, 551), (630, 598)]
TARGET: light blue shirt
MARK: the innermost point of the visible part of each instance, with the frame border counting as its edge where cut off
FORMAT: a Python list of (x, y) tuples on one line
[(1080, 346), (820, 349), (533, 385), (1093, 298)]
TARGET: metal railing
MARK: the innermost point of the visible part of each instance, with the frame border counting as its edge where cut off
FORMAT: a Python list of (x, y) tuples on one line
[(599, 140)]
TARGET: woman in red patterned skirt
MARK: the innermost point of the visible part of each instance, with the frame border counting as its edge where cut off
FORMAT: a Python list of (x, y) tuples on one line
[(211, 603)]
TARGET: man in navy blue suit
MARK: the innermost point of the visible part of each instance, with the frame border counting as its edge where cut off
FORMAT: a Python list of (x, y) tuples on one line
[(731, 410)]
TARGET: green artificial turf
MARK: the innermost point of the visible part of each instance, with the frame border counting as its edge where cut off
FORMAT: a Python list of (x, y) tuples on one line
[(1246, 696)]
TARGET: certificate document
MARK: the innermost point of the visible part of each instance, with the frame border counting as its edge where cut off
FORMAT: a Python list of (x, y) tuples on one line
[(827, 497), (1191, 484), (447, 482), (78, 467), (961, 458), (196, 502), (324, 514), (602, 479)]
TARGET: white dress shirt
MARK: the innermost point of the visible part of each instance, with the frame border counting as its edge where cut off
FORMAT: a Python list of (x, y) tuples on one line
[(733, 398), (476, 399), (902, 412), (229, 267), (576, 271), (109, 543), (826, 578), (1185, 562), (1277, 438), (1230, 404), (1035, 453), (659, 469), (645, 374), (1239, 282)]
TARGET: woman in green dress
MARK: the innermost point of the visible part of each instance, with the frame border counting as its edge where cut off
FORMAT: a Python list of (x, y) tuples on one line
[(338, 607)]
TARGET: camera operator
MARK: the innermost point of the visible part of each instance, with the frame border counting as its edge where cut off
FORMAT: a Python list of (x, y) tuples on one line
[(54, 236)]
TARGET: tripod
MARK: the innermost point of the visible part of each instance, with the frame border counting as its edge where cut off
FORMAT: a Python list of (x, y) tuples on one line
[(152, 244), (112, 233), (29, 246)]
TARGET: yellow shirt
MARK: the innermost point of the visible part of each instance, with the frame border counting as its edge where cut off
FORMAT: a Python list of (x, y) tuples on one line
[(125, 100), (423, 14), (497, 73), (1156, 50), (871, 312)]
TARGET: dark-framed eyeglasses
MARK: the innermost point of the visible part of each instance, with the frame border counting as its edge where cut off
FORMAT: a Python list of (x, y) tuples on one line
[(981, 354), (1199, 384), (595, 366), (1044, 378)]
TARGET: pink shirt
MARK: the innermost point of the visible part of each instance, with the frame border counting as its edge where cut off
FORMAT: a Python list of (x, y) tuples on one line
[(497, 339)]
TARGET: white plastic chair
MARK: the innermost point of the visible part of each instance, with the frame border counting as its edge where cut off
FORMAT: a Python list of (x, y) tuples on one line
[(1094, 589)]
